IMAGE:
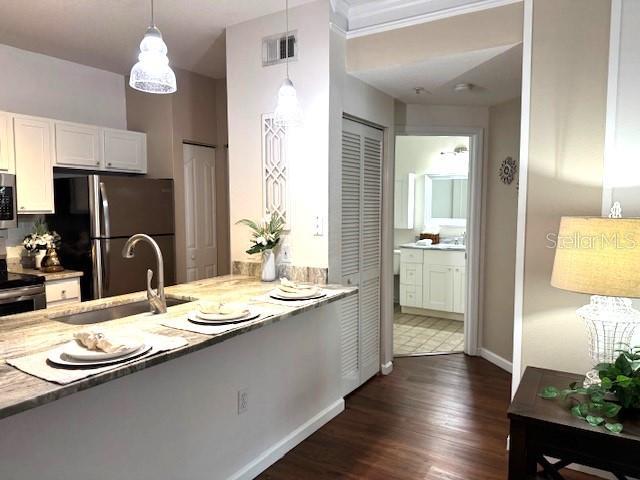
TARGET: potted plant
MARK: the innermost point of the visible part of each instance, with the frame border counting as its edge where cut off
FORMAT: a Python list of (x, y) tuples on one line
[(39, 240), (265, 236), (617, 395)]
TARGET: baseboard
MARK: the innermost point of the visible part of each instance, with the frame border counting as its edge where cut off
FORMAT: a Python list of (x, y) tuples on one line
[(497, 360), (425, 312), (277, 451), (386, 368)]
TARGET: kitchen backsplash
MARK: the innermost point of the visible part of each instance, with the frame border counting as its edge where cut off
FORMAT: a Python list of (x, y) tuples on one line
[(14, 236)]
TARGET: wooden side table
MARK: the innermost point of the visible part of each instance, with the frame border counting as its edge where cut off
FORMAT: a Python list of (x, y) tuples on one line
[(545, 428)]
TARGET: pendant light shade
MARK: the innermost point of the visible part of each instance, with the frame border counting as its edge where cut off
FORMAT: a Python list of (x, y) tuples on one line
[(288, 112), (152, 73)]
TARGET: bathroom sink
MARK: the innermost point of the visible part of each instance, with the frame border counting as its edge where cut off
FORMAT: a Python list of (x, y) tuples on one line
[(112, 313)]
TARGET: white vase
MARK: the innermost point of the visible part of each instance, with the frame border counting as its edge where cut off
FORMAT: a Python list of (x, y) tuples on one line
[(40, 254), (268, 266)]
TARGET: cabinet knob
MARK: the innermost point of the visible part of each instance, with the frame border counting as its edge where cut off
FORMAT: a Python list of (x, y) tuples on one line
[(109, 163), (98, 162), (22, 208), (63, 293)]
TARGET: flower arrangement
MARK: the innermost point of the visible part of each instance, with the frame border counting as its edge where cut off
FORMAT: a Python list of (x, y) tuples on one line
[(41, 238), (266, 233)]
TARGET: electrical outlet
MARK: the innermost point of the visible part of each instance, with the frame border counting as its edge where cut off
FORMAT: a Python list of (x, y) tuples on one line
[(318, 224), (243, 401)]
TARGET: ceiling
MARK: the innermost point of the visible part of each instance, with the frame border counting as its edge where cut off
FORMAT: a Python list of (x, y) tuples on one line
[(106, 33), (496, 74)]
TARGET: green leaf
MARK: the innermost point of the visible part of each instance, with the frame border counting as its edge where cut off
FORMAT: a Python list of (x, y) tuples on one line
[(549, 392), (597, 397), (613, 427), (610, 409), (606, 383), (584, 409), (566, 392), (594, 421), (575, 411), (624, 381)]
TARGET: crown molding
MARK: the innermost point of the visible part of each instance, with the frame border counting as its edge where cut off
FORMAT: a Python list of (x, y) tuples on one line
[(402, 13)]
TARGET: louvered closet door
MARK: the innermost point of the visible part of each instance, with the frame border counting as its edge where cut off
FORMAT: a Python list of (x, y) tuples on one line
[(361, 208)]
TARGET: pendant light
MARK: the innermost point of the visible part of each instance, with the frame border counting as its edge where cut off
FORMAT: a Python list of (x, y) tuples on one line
[(288, 112), (152, 73)]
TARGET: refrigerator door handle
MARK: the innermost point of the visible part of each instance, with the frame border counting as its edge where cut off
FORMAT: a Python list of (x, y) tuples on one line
[(105, 210), (97, 269), (105, 265)]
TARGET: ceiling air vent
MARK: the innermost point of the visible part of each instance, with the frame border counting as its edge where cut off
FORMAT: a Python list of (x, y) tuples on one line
[(274, 48)]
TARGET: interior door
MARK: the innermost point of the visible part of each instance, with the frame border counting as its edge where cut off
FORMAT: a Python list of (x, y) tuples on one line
[(361, 228), (200, 211)]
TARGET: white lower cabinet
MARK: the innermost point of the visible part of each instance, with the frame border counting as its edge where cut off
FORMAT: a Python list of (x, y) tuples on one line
[(63, 291), (433, 279), (33, 149)]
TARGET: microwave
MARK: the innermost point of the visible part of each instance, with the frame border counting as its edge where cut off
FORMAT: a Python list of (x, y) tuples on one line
[(8, 217)]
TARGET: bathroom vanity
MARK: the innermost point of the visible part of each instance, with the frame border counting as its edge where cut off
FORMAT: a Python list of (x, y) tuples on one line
[(433, 280)]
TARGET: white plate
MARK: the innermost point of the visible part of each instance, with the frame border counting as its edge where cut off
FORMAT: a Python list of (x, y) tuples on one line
[(76, 351), (280, 295), (194, 317), (58, 357), (222, 317)]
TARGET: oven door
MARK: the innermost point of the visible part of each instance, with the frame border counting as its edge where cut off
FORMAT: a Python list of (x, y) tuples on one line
[(8, 217), (22, 299)]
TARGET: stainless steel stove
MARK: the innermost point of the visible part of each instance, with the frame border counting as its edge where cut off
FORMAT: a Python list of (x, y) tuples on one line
[(20, 292)]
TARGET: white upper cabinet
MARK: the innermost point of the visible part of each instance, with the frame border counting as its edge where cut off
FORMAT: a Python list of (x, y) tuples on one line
[(6, 152), (33, 149), (78, 146), (125, 151)]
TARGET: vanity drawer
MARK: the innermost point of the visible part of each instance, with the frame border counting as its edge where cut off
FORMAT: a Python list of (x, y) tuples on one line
[(411, 255), (62, 291), (411, 273), (411, 296)]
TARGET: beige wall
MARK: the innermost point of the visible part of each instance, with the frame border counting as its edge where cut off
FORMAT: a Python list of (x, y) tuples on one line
[(501, 210), (252, 92), (192, 114), (568, 96), (462, 33)]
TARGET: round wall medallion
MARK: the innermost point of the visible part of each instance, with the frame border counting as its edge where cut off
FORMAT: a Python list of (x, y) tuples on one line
[(508, 170)]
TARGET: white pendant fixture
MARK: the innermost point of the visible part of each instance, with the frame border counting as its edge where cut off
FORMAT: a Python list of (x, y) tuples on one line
[(152, 73), (288, 112)]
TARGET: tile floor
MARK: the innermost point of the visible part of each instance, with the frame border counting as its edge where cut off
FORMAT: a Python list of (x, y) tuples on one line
[(415, 334)]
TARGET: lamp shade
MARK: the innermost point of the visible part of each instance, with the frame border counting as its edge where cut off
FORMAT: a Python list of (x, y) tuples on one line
[(598, 256)]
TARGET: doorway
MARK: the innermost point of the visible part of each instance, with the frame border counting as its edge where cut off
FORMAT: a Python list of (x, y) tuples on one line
[(200, 211), (436, 212)]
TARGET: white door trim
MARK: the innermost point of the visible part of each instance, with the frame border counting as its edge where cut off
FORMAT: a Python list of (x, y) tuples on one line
[(473, 311), (518, 298)]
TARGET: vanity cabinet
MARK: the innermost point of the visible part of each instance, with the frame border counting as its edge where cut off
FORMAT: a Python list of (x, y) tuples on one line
[(33, 150), (433, 279), (78, 146)]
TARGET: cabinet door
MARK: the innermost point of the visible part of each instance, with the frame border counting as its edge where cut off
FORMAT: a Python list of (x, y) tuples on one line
[(459, 289), (438, 287), (77, 146), (411, 296), (32, 139), (6, 154), (126, 151), (411, 274)]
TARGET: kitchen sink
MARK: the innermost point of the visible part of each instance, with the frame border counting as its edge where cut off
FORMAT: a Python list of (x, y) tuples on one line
[(112, 313)]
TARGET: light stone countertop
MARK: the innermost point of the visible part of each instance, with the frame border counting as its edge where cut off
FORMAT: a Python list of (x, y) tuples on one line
[(438, 246), (63, 275), (38, 331)]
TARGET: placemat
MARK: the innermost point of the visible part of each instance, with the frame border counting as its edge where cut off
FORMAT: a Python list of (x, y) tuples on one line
[(36, 364)]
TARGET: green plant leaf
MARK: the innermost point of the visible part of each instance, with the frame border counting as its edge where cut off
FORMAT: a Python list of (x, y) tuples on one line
[(624, 381), (610, 409), (594, 421), (566, 392), (549, 392), (575, 411), (606, 383), (613, 427)]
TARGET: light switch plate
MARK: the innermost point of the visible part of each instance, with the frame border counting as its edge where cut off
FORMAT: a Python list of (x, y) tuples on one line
[(318, 225)]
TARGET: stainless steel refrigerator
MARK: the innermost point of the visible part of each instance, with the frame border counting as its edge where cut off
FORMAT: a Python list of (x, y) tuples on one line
[(96, 214)]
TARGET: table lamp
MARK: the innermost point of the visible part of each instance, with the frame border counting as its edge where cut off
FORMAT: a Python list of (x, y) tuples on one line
[(601, 257)]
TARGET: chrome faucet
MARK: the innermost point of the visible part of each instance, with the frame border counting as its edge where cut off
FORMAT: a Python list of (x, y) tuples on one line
[(157, 300)]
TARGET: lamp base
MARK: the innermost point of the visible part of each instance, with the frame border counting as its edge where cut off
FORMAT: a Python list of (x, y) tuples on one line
[(592, 378)]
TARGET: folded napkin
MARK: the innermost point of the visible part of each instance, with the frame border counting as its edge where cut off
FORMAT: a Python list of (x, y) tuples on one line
[(289, 286), (102, 342), (36, 364), (209, 307)]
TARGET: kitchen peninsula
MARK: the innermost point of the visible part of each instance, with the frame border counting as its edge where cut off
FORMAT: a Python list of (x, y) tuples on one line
[(182, 419)]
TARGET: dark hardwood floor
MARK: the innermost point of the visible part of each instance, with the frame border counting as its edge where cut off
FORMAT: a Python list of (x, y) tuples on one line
[(434, 418)]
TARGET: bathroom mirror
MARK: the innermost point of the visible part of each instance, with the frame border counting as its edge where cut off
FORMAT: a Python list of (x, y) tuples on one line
[(445, 198)]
